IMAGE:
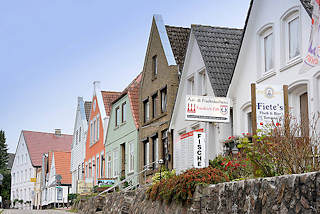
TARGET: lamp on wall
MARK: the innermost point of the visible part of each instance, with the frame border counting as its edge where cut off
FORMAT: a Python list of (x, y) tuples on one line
[(160, 162)]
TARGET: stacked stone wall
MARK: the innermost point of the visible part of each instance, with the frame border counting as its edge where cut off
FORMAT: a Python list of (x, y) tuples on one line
[(283, 194)]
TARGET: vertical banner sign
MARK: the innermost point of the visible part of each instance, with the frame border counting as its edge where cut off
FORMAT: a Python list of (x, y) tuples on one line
[(313, 55), (199, 150), (270, 106), (207, 109)]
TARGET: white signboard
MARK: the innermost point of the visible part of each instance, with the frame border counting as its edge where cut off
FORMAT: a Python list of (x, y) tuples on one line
[(184, 151), (269, 105), (199, 150), (208, 109)]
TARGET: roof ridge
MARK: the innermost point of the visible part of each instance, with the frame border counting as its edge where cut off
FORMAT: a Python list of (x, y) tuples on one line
[(176, 27), (111, 91), (218, 27), (45, 132)]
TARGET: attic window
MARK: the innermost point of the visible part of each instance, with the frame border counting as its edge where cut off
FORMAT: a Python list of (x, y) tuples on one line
[(154, 66)]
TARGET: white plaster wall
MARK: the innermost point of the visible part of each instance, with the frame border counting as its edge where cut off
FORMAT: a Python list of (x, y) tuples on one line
[(78, 148), (22, 184), (193, 65), (247, 69)]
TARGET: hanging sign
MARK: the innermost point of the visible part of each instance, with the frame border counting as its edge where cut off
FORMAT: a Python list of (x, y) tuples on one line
[(269, 105), (199, 149), (208, 109)]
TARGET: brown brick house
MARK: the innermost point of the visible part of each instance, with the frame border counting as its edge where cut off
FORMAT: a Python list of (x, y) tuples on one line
[(160, 79)]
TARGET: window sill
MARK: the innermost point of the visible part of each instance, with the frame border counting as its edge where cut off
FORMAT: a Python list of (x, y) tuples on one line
[(123, 123), (130, 173), (266, 76), (291, 63), (155, 119)]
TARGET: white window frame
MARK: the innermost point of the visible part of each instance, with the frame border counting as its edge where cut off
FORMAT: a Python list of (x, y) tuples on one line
[(203, 82), (289, 16), (191, 85), (264, 32), (131, 156), (246, 108), (116, 164), (109, 164), (98, 126), (97, 167)]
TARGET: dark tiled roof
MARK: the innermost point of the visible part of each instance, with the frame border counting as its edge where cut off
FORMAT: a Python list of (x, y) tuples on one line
[(307, 5), (108, 98), (39, 143), (178, 37), (87, 109), (10, 160), (219, 49)]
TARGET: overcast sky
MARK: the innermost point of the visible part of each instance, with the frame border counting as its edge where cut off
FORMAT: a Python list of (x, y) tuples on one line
[(51, 51)]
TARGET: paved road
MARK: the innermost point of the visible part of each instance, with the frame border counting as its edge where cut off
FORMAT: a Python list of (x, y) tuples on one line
[(15, 211)]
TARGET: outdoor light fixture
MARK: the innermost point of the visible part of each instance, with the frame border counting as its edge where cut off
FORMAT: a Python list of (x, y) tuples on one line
[(160, 162)]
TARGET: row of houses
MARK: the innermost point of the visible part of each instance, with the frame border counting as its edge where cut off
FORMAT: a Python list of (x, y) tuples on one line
[(117, 134)]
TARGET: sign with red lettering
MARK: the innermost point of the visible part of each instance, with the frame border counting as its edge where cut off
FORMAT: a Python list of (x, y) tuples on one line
[(269, 105), (207, 109)]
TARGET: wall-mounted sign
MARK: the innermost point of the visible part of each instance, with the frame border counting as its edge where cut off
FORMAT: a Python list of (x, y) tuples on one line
[(106, 182), (33, 180), (184, 151), (269, 105), (208, 109), (199, 149)]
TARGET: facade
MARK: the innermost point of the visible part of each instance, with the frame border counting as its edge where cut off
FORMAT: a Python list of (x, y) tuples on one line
[(27, 161), (272, 52), (122, 134), (97, 128), (160, 79), (207, 71), (57, 178), (79, 142)]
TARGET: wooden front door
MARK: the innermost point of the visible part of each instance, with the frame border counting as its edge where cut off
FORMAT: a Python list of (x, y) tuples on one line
[(304, 114)]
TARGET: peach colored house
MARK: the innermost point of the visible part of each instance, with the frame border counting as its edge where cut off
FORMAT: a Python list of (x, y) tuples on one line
[(97, 127)]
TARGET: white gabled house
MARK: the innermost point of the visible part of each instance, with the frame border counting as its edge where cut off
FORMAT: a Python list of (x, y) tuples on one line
[(78, 149), (207, 71), (274, 44), (28, 162)]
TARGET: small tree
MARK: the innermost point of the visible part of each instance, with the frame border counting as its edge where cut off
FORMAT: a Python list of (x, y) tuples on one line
[(3, 151)]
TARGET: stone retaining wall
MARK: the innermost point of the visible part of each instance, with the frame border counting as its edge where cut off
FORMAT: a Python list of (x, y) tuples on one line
[(283, 194)]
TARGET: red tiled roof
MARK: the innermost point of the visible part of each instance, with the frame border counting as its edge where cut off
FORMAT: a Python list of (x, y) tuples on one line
[(62, 162), (108, 98), (39, 143), (133, 94)]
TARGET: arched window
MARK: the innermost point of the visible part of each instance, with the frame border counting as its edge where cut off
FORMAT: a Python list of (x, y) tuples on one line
[(246, 119), (266, 50), (290, 36)]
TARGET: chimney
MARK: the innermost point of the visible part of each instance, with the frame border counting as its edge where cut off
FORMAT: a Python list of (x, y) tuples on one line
[(96, 86), (57, 132)]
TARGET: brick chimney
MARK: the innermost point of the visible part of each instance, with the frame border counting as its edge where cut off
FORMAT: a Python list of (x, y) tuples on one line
[(57, 132)]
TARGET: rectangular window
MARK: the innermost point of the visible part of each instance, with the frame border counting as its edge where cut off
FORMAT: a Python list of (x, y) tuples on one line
[(90, 169), (59, 194), (163, 100), (76, 138), (146, 110), (165, 149), (109, 165), (154, 66), (191, 89), (102, 165), (131, 157), (249, 118), (117, 116), (98, 126), (91, 133), (268, 52), (115, 163), (146, 153), (97, 168), (293, 27), (79, 134), (124, 112), (203, 83), (155, 151), (93, 167), (154, 105)]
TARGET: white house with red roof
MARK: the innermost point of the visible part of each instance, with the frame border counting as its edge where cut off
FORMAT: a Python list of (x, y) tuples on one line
[(57, 178), (28, 159)]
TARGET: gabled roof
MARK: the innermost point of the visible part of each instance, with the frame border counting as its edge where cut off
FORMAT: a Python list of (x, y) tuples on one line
[(178, 37), (133, 94), (87, 109), (219, 48), (39, 143), (62, 162), (108, 98)]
